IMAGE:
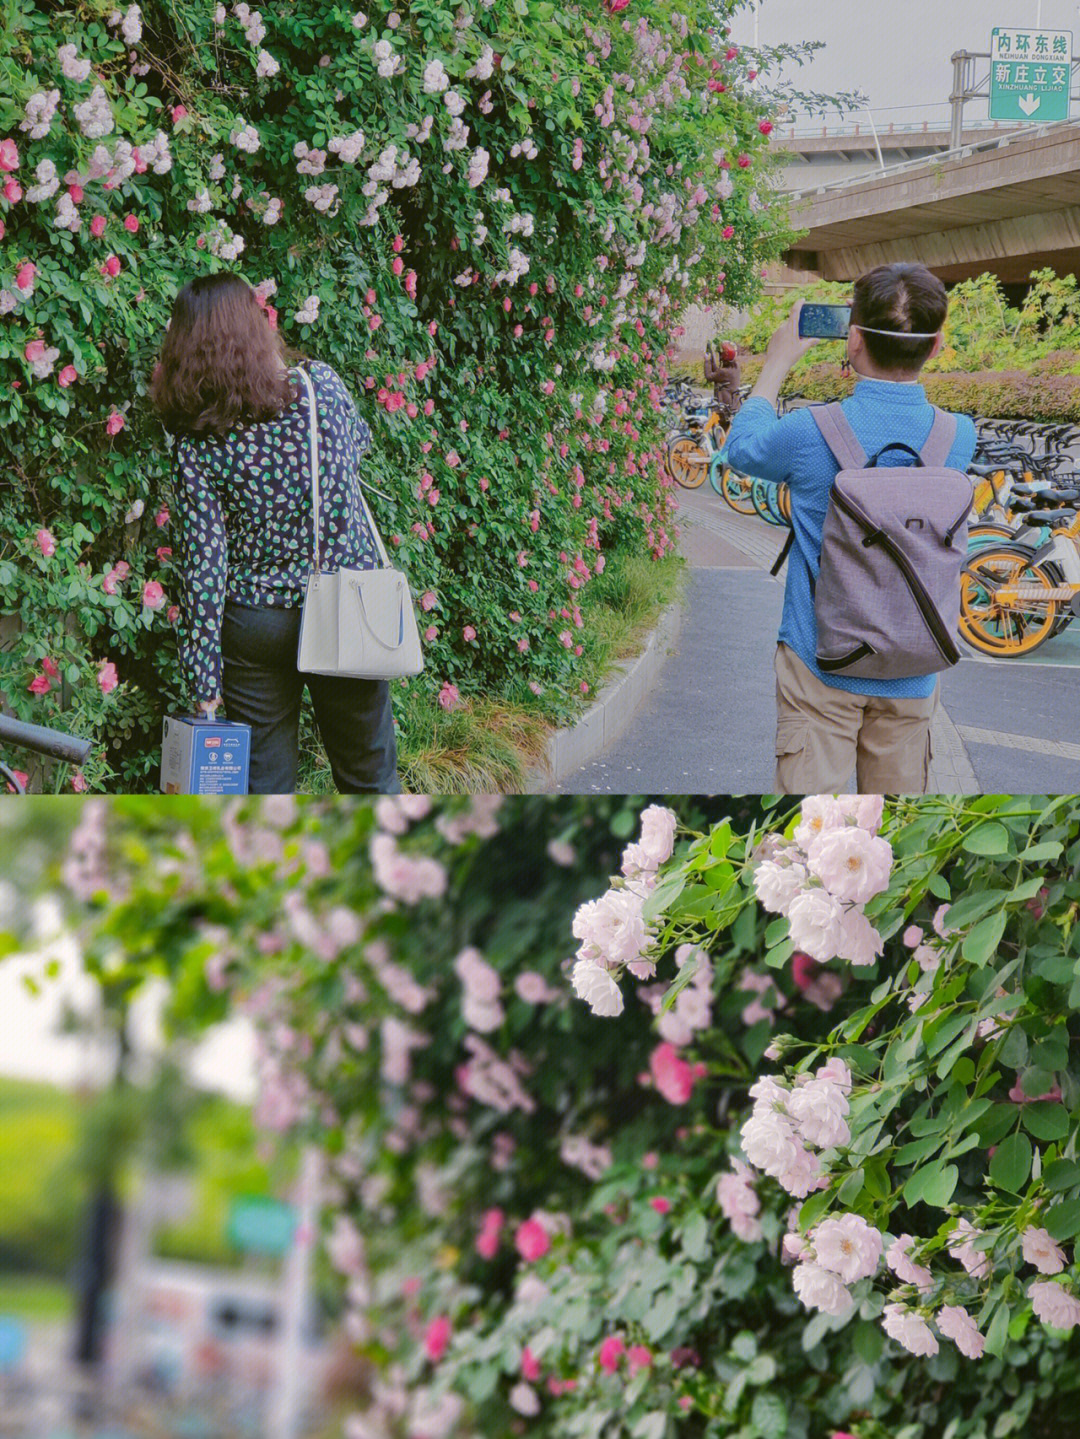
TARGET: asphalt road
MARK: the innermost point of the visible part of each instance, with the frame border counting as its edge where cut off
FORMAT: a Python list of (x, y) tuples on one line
[(1005, 727)]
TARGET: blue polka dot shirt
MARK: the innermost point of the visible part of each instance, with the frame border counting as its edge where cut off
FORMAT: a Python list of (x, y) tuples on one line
[(791, 448)]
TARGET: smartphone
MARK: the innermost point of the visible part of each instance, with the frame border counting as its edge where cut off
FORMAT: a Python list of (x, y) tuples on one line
[(824, 322)]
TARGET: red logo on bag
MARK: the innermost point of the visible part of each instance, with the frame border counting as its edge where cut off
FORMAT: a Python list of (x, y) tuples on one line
[(212, 741)]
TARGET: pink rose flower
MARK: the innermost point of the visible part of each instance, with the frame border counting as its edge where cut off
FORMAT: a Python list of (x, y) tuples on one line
[(24, 275), (46, 543), (161, 519), (107, 677), (78, 782), (437, 1338), (67, 376), (449, 696), (40, 685), (12, 191), (611, 1351), (97, 226), (111, 267), (531, 1240), (178, 112), (172, 614), (428, 600), (468, 633), (638, 1357), (9, 156), (115, 422), (131, 224), (34, 351), (673, 1077), (153, 596)]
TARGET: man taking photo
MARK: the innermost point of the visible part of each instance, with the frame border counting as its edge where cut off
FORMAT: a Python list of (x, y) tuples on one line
[(829, 725)]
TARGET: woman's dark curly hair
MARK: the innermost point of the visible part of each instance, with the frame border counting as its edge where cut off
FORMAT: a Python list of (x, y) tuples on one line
[(222, 364)]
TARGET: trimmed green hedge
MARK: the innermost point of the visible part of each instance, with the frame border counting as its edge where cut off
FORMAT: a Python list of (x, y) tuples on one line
[(1006, 395)]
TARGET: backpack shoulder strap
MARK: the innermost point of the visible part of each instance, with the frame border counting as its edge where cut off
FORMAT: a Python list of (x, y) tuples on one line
[(935, 453), (837, 433)]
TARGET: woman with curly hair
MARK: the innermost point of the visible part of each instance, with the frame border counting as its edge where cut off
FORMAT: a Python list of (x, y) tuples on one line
[(242, 419)]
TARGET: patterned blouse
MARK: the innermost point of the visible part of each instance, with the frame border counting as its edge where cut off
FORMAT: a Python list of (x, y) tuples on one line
[(245, 520)]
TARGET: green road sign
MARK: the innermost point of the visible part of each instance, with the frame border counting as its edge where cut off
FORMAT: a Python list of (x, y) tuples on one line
[(261, 1226), (1030, 75)]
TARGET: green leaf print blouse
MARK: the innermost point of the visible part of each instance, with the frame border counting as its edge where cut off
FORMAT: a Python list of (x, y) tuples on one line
[(244, 504)]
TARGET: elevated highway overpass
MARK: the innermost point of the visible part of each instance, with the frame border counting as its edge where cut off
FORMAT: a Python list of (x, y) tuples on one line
[(1008, 203)]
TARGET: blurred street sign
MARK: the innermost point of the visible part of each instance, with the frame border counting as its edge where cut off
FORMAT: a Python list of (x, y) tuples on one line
[(261, 1226), (12, 1342), (1030, 75)]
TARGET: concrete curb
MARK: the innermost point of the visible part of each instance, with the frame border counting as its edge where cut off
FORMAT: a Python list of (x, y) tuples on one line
[(616, 705)]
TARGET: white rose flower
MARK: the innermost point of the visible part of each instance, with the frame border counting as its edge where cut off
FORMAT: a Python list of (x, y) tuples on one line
[(909, 1329), (820, 1289), (597, 988), (1053, 1305), (816, 924), (848, 1246), (957, 1324), (1040, 1250), (852, 864)]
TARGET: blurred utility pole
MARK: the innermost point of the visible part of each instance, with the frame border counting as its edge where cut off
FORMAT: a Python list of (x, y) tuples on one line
[(286, 1402)]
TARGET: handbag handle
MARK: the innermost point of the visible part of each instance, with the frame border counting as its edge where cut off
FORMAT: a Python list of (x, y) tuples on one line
[(313, 454)]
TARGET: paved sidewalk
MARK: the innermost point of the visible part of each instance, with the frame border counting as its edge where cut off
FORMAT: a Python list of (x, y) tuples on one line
[(708, 727)]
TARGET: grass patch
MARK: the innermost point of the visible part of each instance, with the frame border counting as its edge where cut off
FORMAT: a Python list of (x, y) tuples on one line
[(483, 746), (629, 598), (489, 746), (35, 1298)]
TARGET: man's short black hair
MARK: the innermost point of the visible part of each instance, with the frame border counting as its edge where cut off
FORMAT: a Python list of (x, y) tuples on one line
[(899, 298)]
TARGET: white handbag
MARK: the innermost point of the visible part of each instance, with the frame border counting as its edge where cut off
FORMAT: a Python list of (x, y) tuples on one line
[(359, 623)]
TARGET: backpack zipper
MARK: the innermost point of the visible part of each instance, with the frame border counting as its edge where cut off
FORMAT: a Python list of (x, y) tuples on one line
[(927, 608)]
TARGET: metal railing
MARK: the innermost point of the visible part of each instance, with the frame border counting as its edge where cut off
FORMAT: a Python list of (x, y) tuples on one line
[(860, 130), (996, 142)]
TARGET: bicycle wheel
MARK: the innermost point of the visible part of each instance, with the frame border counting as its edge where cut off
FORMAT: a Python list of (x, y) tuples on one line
[(772, 503), (687, 462), (783, 500), (981, 535), (1018, 624), (759, 495), (736, 489)]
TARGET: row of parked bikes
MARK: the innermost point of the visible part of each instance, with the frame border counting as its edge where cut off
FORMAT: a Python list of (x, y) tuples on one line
[(1021, 583)]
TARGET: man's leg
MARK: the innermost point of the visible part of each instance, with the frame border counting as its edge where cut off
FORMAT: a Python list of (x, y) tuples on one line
[(817, 730), (894, 745)]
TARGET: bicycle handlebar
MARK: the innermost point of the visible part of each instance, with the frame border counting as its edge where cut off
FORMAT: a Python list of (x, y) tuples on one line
[(67, 747)]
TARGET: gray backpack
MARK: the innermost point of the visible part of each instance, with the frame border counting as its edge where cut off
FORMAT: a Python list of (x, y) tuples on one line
[(887, 598)]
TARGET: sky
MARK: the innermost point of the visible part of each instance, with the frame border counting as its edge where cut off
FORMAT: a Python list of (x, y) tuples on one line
[(31, 1048), (896, 51)]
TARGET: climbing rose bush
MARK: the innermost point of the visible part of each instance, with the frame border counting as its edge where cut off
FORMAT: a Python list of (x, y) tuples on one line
[(487, 217), (752, 1202)]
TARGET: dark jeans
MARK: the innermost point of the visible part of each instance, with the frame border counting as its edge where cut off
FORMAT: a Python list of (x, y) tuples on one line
[(262, 687)]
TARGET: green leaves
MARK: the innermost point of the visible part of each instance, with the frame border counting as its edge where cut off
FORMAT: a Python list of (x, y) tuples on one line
[(933, 1185), (1046, 1120), (1062, 1221), (1010, 1165), (982, 941), (990, 838), (769, 1415)]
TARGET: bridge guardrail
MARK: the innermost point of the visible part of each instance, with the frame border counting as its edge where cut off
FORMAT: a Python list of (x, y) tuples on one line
[(995, 142)]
